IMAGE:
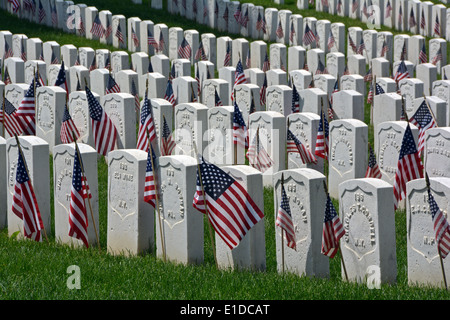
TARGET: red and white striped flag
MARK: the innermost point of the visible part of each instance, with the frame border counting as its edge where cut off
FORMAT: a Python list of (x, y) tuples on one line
[(97, 28), (293, 144), (437, 57), (104, 130), (322, 137), (279, 32), (69, 130), (24, 204), (441, 227), (333, 230), (231, 210), (423, 54), (134, 37), (373, 170), (146, 126), (112, 86), (13, 124), (423, 119), (135, 94), (149, 186), (257, 155), (240, 134), (167, 142), (184, 51), (284, 219), (27, 108)]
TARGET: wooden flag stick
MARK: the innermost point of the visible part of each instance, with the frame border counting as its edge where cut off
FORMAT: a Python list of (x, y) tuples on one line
[(157, 197), (374, 88), (3, 115), (427, 181), (29, 177), (77, 151), (206, 205), (282, 230)]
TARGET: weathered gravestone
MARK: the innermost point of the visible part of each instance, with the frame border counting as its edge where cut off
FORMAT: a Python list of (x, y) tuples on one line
[(437, 152), (130, 219), (366, 210), (3, 197), (190, 125)]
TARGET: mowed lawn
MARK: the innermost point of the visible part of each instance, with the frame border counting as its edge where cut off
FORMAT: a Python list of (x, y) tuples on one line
[(39, 271)]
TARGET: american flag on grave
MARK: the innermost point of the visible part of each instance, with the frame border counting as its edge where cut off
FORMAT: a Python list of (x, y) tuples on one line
[(321, 68), (227, 59), (69, 130), (370, 94), (422, 21), (55, 59), (167, 142), (384, 48), (197, 78), (24, 204), (352, 44), (80, 26), (150, 192), (104, 130), (108, 29), (240, 134), (54, 14), (27, 108), (151, 40), (284, 219), (402, 72), (424, 120), (27, 5), (409, 166), (119, 34), (412, 19), (339, 6), (217, 100), (262, 92), (135, 94), (293, 144), (373, 170), (230, 209), (226, 15), (438, 57), (78, 220), (41, 12), (331, 40), (134, 37), (146, 126), (388, 9), (440, 226), (330, 111), (279, 32), (308, 36), (423, 54), (239, 77), (61, 81), (112, 86), (404, 53), (169, 95), (437, 27), (335, 89), (23, 53), (184, 51), (93, 63), (245, 19), (361, 47), (355, 5), (259, 22), (13, 124), (257, 155), (333, 230), (266, 63), (97, 29), (322, 137), (400, 16), (248, 60), (8, 53), (368, 76), (292, 32), (200, 54), (238, 14), (295, 106), (15, 4)]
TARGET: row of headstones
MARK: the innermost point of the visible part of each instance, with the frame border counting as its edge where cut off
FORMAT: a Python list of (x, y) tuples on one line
[(176, 230)]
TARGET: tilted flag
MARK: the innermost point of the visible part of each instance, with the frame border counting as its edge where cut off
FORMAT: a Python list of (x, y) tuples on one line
[(151, 40), (295, 106), (184, 51), (238, 14), (69, 132), (352, 44), (119, 34), (97, 28), (230, 209), (262, 92), (41, 12), (135, 94), (217, 100), (27, 108), (240, 134), (149, 186), (257, 155), (103, 129), (161, 42), (412, 19), (409, 166), (200, 54), (384, 48), (293, 144), (259, 22), (24, 203), (169, 95), (227, 59), (370, 94), (245, 19), (61, 81), (373, 170), (167, 142), (239, 77), (292, 32), (440, 226), (8, 53), (146, 126), (437, 27), (422, 119), (438, 57), (284, 219), (404, 53), (361, 47), (134, 37), (266, 63), (308, 36), (15, 5), (331, 40), (322, 137), (388, 9), (78, 219), (333, 230), (422, 21), (112, 86), (402, 72), (23, 53), (279, 32), (248, 60), (423, 54), (7, 117)]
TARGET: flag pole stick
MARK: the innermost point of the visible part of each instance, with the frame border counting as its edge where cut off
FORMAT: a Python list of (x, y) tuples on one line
[(157, 197), (3, 115), (77, 151), (427, 180), (323, 128), (29, 177), (374, 88), (235, 144), (429, 109), (282, 230), (206, 206)]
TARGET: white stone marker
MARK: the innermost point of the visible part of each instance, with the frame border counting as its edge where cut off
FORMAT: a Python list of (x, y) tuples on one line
[(63, 159), (3, 191), (347, 152), (279, 99), (386, 107), (130, 219), (348, 104), (36, 154), (16, 69), (366, 210), (191, 123), (307, 199), (436, 152), (220, 148), (79, 111), (182, 224)]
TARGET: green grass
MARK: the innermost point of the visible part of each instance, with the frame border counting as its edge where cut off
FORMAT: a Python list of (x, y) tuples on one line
[(38, 271)]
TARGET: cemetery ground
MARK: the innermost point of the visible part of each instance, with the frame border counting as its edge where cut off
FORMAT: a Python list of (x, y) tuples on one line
[(38, 271)]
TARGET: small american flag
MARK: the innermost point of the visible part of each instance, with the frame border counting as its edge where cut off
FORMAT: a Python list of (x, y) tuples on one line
[(135, 94), (423, 119), (438, 57), (412, 19), (240, 135), (384, 48), (309, 36), (226, 15), (279, 31), (284, 219), (422, 21), (146, 126), (108, 30), (169, 95), (184, 51), (322, 137), (69, 130), (61, 81), (331, 40), (355, 5), (8, 51), (245, 19), (231, 210), (388, 9), (78, 220), (339, 6), (402, 72), (227, 59), (104, 130), (238, 14), (423, 54), (15, 5), (333, 230), (23, 53), (321, 68), (441, 227), (259, 22), (149, 186), (266, 63), (292, 32), (24, 204), (167, 142), (41, 12), (437, 27), (54, 14), (200, 54), (239, 77), (217, 100), (409, 166), (80, 27), (352, 44), (134, 37), (257, 155), (400, 16), (373, 171), (55, 59), (112, 86), (162, 42), (151, 40), (119, 34), (93, 65), (330, 111), (248, 60), (27, 108), (370, 94), (361, 47), (368, 76), (404, 53), (295, 106), (293, 144), (11, 122), (262, 92), (97, 29)]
